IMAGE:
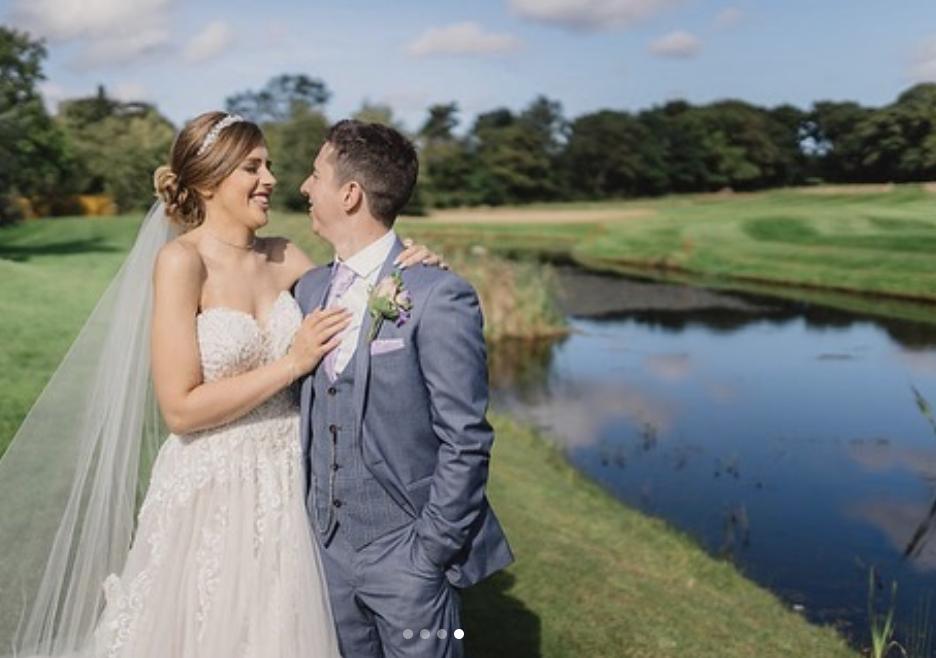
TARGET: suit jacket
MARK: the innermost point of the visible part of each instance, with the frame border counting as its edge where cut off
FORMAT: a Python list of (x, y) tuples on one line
[(420, 396)]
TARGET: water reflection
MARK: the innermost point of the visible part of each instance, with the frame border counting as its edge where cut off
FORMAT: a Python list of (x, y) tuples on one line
[(908, 526), (736, 532), (675, 308), (782, 436)]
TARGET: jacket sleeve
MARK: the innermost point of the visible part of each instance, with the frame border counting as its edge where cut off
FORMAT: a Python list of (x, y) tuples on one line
[(453, 360)]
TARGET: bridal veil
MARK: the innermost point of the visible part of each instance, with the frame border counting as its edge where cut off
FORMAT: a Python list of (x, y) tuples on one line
[(77, 467)]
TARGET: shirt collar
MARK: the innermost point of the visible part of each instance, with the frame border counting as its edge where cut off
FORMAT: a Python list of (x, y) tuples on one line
[(369, 259)]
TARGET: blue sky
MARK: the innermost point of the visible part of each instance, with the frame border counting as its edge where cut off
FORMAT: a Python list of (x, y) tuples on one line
[(589, 54)]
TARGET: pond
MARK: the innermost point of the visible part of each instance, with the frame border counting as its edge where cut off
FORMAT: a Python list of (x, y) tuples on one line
[(782, 436)]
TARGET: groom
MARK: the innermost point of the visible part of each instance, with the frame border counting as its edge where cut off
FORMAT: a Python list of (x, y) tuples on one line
[(394, 435)]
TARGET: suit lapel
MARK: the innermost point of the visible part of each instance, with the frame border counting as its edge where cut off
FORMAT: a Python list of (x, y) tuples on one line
[(326, 288), (362, 363)]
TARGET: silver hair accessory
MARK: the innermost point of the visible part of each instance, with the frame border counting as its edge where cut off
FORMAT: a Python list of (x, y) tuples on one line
[(216, 129)]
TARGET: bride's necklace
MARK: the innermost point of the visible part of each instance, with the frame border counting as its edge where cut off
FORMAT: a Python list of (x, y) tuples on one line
[(249, 245)]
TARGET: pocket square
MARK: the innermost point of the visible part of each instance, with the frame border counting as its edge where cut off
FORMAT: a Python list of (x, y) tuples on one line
[(382, 346)]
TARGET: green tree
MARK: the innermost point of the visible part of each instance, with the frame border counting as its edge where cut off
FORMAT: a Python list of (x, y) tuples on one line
[(33, 156), (517, 157), (284, 97), (442, 120), (786, 126), (445, 162), (544, 118), (80, 112), (898, 142), (678, 131), (377, 113), (832, 141), (613, 154), (740, 141), (117, 146)]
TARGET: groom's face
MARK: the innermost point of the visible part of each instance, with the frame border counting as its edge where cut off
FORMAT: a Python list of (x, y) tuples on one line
[(324, 193)]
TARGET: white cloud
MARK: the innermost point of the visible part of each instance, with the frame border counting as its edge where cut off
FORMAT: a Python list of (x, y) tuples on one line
[(106, 31), (669, 367), (210, 42), (679, 44), (923, 68), (899, 521), (578, 418), (461, 39), (123, 48), (590, 14), (919, 361), (728, 17)]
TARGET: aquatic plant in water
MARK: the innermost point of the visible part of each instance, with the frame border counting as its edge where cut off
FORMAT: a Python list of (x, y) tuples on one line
[(882, 631)]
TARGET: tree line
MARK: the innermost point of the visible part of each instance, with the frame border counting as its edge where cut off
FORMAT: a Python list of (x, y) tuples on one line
[(101, 146)]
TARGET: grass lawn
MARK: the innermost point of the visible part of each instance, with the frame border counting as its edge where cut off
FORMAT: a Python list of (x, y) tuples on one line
[(593, 577), (52, 273)]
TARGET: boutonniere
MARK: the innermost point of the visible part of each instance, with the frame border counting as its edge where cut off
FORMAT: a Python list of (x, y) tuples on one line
[(389, 300)]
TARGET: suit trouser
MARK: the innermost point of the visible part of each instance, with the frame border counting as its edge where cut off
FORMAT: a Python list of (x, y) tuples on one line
[(389, 600)]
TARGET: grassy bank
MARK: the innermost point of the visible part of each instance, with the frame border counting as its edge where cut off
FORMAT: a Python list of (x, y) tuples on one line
[(596, 578), (862, 248)]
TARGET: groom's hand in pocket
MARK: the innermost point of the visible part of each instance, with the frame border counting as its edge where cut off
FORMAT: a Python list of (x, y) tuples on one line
[(420, 558)]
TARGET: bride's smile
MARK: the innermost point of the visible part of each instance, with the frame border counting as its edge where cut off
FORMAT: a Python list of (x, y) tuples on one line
[(244, 195)]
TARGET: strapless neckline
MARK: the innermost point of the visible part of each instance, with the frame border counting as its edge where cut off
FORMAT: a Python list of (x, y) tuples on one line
[(260, 324)]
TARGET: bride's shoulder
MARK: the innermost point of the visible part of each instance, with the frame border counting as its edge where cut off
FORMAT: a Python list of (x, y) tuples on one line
[(179, 258)]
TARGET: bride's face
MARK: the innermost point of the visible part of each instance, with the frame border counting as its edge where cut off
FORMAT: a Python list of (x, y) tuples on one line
[(245, 194)]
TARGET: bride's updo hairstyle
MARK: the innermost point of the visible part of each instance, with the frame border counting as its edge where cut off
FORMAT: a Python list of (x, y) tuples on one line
[(198, 163)]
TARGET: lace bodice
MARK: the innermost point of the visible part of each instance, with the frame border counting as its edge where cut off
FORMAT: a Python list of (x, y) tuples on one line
[(232, 342)]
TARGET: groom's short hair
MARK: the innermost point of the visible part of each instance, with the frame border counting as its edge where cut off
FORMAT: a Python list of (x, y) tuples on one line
[(380, 159)]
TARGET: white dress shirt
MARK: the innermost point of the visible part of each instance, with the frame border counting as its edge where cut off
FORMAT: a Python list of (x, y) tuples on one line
[(366, 265)]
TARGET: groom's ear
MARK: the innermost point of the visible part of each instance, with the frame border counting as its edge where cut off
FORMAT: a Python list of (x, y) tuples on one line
[(352, 195)]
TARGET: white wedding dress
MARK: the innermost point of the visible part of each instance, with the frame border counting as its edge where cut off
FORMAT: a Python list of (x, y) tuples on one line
[(223, 563)]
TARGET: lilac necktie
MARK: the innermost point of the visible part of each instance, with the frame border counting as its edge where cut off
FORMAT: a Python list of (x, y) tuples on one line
[(342, 279)]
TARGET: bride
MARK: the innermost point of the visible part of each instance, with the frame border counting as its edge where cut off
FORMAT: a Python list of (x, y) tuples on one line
[(221, 563)]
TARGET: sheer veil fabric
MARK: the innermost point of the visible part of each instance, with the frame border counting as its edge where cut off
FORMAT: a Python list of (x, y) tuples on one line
[(77, 468)]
